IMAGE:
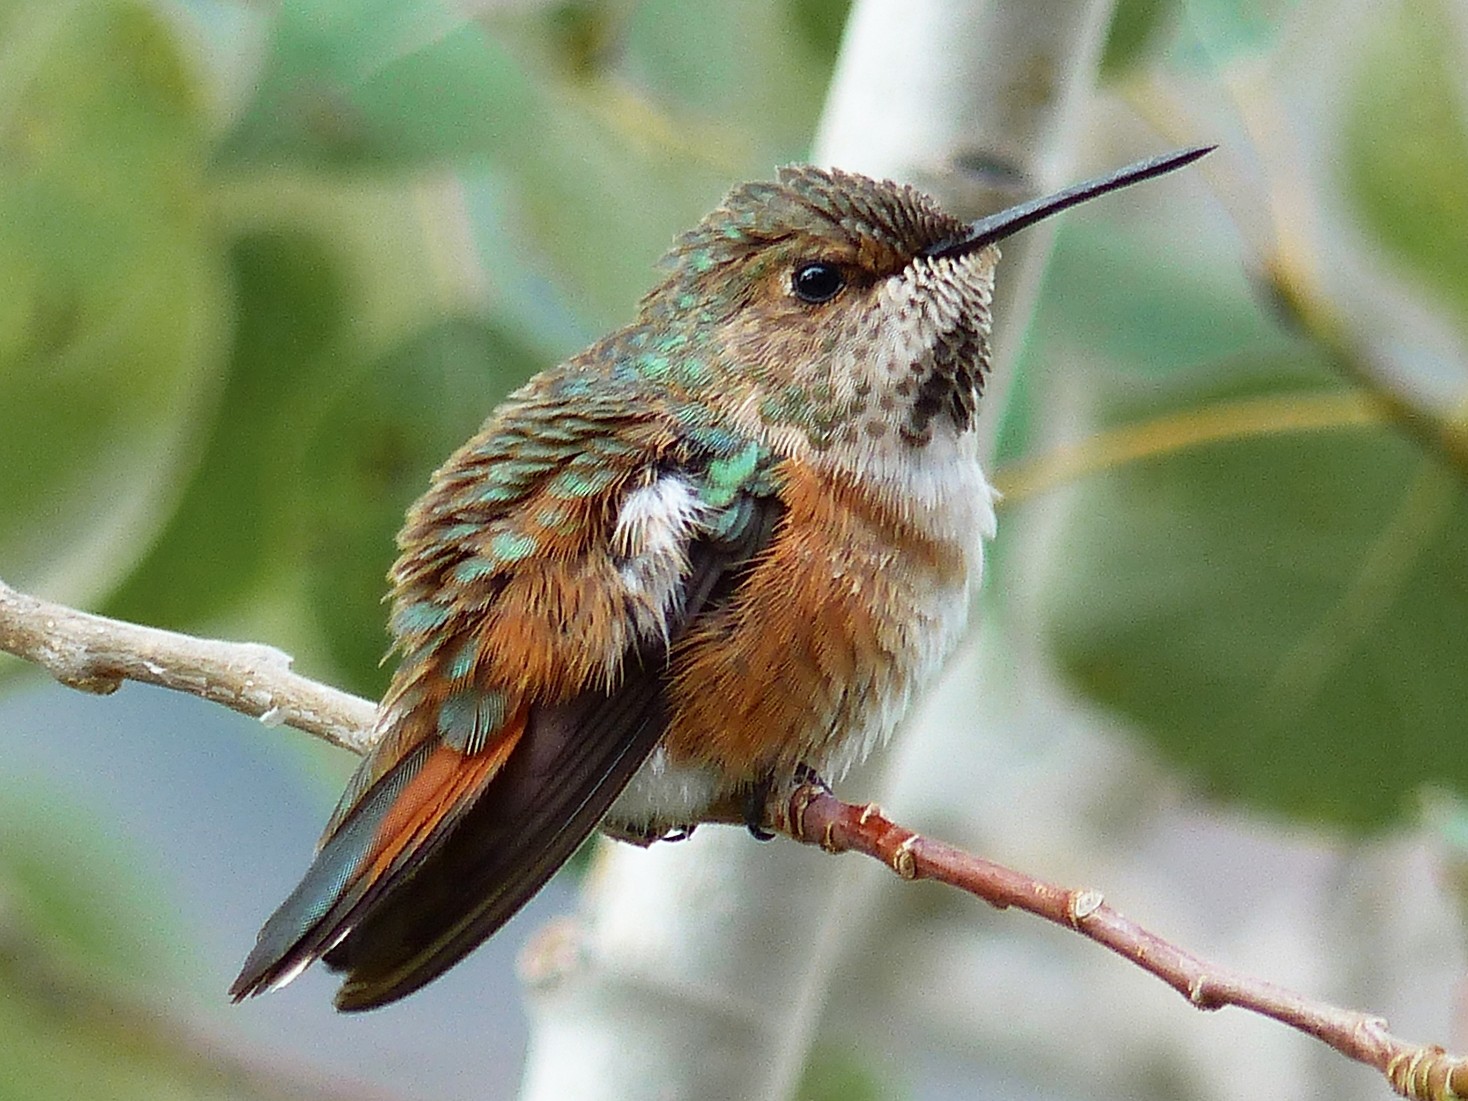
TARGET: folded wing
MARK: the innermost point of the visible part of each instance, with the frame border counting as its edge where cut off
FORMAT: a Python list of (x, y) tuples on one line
[(534, 604)]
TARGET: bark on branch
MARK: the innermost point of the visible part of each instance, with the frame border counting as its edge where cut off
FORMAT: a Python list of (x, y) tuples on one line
[(96, 654)]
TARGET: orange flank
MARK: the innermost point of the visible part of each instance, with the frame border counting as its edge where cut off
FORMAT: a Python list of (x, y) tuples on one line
[(821, 628)]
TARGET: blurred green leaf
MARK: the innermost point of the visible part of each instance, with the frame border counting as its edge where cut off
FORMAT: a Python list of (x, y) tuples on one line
[(73, 912), (228, 528), (600, 179), (1282, 614), (1136, 30), (734, 62), (1134, 303), (111, 321), (603, 172), (369, 456), (89, 950), (383, 83), (820, 25), (46, 1058), (703, 94), (1406, 146), (837, 1073), (327, 275), (605, 213), (581, 37), (64, 1039), (1138, 304)]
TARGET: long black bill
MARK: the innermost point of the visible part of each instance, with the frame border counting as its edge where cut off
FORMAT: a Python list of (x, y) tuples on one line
[(996, 227)]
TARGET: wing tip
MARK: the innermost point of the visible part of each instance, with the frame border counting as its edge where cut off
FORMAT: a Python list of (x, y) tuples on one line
[(359, 995), (267, 971), (254, 980), (372, 985)]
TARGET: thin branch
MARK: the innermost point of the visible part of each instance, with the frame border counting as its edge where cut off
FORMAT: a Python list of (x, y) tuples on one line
[(813, 816), (95, 654), (1287, 266), (1298, 295), (1222, 422)]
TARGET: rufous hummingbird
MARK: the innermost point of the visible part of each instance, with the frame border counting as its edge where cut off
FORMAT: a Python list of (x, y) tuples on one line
[(720, 548)]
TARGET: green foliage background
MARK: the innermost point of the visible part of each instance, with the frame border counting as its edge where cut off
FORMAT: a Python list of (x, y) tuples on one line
[(264, 266)]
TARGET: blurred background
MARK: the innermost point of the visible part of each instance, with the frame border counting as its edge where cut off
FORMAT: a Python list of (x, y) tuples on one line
[(265, 264)]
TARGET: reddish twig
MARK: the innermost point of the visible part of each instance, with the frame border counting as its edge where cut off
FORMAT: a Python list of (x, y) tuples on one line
[(813, 816)]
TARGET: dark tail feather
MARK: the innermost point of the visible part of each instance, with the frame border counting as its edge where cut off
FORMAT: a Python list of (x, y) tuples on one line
[(570, 767), (300, 929), (395, 825)]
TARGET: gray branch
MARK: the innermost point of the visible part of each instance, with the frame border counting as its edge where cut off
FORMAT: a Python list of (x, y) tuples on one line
[(95, 654)]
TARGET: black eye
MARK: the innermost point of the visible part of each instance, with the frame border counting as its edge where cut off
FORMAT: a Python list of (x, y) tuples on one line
[(817, 282)]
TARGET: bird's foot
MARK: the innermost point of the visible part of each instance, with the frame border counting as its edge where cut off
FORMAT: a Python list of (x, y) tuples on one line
[(754, 809), (757, 799)]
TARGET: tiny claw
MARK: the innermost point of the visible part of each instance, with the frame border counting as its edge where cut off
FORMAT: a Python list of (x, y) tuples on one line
[(804, 774), (754, 809)]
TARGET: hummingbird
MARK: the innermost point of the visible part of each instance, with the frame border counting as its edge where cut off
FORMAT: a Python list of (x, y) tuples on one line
[(719, 550)]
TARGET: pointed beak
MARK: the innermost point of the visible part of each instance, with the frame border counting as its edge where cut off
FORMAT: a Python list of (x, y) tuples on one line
[(996, 227)]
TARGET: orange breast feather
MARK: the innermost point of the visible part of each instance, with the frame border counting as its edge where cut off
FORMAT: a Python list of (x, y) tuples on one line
[(822, 627)]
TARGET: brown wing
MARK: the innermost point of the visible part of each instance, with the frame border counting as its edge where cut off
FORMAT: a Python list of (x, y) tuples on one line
[(528, 694), (572, 761)]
